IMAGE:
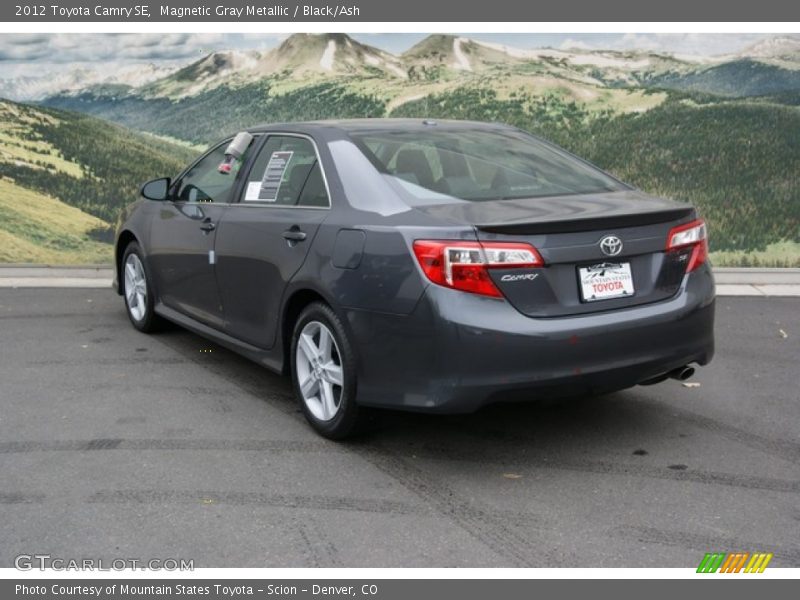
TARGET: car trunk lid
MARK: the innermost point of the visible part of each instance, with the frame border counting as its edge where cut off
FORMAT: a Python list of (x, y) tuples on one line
[(567, 232)]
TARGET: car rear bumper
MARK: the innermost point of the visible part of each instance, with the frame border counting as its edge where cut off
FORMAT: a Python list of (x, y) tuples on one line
[(457, 351)]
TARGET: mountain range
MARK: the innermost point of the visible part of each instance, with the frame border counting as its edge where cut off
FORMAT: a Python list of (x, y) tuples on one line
[(437, 56), (36, 87)]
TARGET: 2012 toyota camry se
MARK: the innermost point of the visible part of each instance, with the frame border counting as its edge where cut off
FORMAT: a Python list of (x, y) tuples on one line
[(419, 265)]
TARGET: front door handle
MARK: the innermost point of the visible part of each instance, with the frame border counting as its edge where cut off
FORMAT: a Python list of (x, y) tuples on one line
[(294, 234), (208, 226)]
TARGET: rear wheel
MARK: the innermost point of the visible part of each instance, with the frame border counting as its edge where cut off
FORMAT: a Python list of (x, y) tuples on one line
[(324, 372), (137, 290)]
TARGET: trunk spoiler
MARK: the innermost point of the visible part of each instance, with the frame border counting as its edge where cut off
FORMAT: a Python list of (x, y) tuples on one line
[(589, 224)]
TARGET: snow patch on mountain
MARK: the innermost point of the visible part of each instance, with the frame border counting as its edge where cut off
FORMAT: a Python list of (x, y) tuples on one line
[(608, 61), (326, 62), (397, 70), (776, 47), (518, 52), (461, 60)]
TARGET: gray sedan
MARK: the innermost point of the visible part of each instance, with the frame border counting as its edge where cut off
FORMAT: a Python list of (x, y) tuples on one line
[(419, 265)]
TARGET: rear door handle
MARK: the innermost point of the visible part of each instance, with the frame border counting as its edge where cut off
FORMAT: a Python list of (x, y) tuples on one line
[(294, 234), (208, 226)]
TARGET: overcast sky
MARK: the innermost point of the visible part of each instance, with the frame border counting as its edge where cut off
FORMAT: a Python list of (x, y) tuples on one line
[(56, 52)]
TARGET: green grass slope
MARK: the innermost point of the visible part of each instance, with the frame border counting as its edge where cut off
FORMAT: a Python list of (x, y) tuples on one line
[(36, 228)]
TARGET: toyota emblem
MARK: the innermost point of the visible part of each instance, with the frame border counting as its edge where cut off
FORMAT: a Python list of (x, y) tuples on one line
[(611, 245)]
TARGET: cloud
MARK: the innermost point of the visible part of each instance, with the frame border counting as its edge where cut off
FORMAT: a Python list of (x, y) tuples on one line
[(30, 38), (70, 48), (573, 44), (702, 44)]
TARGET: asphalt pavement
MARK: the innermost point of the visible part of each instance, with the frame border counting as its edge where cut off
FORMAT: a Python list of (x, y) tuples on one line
[(116, 444)]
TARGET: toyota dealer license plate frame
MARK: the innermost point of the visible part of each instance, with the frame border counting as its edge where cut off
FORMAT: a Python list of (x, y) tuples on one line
[(605, 281)]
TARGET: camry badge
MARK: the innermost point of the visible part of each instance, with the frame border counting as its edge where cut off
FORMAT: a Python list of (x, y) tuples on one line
[(520, 277)]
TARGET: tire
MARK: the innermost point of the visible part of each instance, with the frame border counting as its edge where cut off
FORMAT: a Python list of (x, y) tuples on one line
[(324, 373), (140, 302)]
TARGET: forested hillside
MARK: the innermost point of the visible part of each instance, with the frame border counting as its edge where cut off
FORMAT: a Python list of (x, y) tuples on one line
[(735, 79), (217, 112), (737, 161), (64, 177)]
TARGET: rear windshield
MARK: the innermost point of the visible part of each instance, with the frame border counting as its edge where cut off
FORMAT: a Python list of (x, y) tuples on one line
[(479, 164)]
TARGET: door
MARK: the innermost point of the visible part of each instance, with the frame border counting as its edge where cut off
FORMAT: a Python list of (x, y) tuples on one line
[(182, 238), (264, 238)]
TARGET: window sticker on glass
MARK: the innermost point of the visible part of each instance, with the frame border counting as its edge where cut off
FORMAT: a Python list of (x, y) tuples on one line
[(273, 176), (252, 191)]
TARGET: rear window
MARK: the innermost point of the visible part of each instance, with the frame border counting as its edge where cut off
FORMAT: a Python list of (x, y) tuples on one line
[(479, 165)]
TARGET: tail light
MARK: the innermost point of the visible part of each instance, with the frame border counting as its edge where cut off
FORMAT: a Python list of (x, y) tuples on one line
[(465, 265), (690, 236)]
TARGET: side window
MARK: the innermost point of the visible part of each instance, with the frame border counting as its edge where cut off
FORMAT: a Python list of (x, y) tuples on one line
[(287, 173), (204, 183)]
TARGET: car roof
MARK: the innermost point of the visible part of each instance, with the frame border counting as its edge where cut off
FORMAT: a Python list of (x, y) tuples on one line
[(347, 126)]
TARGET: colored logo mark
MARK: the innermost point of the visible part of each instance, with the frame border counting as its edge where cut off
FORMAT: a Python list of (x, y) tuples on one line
[(734, 562)]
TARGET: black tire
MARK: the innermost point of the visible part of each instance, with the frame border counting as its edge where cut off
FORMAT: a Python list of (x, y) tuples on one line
[(349, 419), (149, 321)]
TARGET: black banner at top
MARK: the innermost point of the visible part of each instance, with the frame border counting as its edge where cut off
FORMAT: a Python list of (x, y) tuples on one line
[(396, 11)]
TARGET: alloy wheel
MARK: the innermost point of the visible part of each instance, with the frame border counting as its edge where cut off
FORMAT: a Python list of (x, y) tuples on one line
[(135, 287), (319, 370)]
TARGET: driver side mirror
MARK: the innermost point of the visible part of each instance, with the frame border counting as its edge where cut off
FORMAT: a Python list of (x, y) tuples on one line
[(157, 189)]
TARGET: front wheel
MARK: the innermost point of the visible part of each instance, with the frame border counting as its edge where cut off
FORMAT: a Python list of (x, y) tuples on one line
[(138, 291), (324, 372)]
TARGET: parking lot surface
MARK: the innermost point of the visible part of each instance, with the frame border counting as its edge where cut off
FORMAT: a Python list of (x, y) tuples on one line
[(115, 444)]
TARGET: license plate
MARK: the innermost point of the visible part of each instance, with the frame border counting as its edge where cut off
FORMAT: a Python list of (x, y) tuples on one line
[(605, 281)]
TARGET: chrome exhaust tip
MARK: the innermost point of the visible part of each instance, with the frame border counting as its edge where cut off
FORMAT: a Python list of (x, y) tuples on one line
[(682, 373)]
